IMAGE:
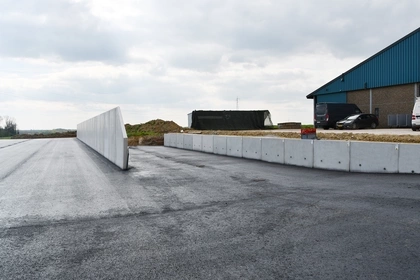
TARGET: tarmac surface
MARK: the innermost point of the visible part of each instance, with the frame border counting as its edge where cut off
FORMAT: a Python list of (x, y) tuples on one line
[(68, 213)]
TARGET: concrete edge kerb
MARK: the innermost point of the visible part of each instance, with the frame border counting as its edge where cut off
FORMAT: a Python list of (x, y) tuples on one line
[(105, 133), (349, 156)]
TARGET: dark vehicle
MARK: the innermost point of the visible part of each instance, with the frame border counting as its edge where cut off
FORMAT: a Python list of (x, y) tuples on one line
[(358, 121), (327, 114)]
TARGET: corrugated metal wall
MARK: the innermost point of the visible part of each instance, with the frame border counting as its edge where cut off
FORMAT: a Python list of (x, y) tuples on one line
[(336, 97), (398, 64)]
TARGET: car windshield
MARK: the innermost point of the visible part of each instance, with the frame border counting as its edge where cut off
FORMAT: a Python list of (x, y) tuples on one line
[(320, 109), (352, 117)]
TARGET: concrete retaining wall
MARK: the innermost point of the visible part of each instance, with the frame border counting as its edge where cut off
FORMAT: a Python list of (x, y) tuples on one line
[(299, 152), (374, 157), (272, 150), (179, 141), (170, 140), (219, 145), (351, 156), (106, 134), (188, 141), (207, 141), (409, 158), (251, 147), (324, 158), (234, 146), (197, 143)]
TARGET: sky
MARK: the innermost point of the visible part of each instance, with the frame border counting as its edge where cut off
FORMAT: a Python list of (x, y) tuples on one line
[(63, 62)]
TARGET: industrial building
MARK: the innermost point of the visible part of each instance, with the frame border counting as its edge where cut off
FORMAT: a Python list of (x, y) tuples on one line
[(385, 84), (229, 120)]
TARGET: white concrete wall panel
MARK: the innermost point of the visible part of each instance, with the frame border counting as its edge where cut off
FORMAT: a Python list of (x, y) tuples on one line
[(234, 146), (251, 147), (188, 141), (299, 152), (332, 155), (272, 150), (197, 142), (409, 158), (106, 134), (208, 143), (169, 140), (166, 140), (373, 157), (173, 140), (180, 140), (219, 146)]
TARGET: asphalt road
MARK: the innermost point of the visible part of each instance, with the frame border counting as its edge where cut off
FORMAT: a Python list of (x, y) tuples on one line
[(67, 213)]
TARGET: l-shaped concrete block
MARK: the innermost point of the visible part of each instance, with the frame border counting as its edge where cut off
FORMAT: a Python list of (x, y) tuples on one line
[(106, 134)]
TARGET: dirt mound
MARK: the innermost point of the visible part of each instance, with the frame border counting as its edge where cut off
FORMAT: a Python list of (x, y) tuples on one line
[(150, 133), (153, 127)]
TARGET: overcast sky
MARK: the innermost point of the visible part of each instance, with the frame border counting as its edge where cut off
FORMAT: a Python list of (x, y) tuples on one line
[(62, 62)]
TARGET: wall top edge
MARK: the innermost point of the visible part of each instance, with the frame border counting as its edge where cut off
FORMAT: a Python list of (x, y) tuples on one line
[(297, 139)]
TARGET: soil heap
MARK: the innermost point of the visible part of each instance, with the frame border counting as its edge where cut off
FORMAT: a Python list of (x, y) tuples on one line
[(150, 133)]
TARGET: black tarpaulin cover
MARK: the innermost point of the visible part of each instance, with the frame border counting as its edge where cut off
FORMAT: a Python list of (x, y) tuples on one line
[(229, 120)]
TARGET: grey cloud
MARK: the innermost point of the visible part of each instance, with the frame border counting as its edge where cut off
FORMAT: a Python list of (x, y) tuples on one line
[(158, 69), (230, 47), (281, 28), (146, 91), (207, 62), (56, 28), (278, 28)]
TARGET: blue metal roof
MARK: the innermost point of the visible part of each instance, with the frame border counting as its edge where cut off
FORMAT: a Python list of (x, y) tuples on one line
[(395, 65)]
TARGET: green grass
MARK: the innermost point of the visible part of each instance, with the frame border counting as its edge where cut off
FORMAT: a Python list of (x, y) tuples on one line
[(141, 133), (307, 126), (8, 137), (271, 127)]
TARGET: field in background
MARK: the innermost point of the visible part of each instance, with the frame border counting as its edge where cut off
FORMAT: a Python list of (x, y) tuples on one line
[(152, 133), (46, 134)]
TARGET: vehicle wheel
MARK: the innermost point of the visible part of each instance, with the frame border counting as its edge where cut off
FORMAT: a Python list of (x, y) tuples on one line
[(373, 125), (354, 126), (326, 127), (414, 129)]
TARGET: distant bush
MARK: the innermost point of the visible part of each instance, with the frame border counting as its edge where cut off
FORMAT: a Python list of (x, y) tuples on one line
[(307, 126), (10, 127), (67, 134)]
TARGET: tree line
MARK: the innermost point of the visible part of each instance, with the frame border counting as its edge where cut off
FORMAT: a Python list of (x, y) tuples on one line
[(9, 128)]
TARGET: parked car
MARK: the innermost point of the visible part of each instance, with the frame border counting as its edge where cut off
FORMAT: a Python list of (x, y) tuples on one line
[(415, 120), (327, 114), (358, 121)]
